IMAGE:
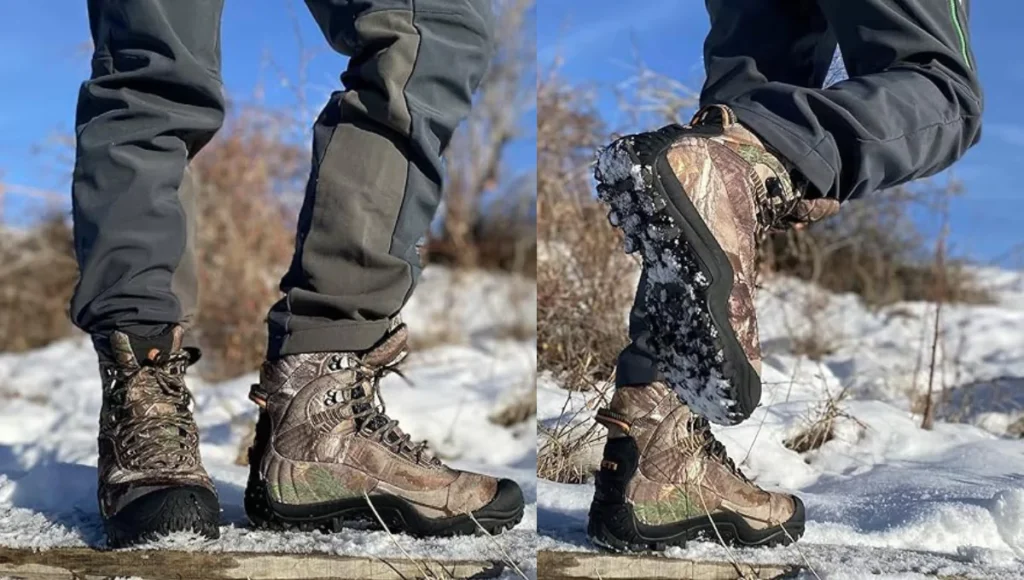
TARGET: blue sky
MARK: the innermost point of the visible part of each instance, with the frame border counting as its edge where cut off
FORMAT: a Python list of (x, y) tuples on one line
[(596, 40), (42, 64)]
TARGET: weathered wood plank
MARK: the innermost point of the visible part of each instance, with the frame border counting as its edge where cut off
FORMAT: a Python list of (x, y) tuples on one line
[(579, 565), (85, 563)]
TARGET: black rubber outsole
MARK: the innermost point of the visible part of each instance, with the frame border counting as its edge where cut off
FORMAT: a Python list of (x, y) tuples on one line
[(503, 513), (162, 512), (689, 279), (614, 527)]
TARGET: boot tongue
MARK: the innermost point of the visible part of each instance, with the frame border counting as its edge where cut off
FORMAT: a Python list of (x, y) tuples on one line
[(132, 353), (132, 350), (389, 350)]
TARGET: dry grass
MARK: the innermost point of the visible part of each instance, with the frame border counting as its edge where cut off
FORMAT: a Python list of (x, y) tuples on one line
[(874, 249), (1016, 429), (37, 275), (243, 174), (562, 457), (483, 225), (585, 282), (565, 453), (820, 423)]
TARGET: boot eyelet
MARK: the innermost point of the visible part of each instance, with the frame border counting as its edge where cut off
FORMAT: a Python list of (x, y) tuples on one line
[(334, 363), (331, 398)]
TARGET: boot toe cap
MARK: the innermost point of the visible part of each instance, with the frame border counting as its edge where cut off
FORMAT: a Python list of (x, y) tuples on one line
[(508, 498)]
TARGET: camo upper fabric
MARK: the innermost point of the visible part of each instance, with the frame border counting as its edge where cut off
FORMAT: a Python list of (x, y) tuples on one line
[(148, 439), (683, 472), (331, 438), (741, 190)]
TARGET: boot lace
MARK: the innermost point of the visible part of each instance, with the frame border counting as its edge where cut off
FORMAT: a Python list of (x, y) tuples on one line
[(714, 448), (156, 440), (777, 212), (370, 413)]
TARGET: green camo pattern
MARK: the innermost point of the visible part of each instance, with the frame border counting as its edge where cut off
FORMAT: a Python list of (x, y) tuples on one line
[(312, 485), (675, 508)]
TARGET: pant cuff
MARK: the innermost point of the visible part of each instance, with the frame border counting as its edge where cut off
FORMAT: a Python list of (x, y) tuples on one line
[(347, 336), (635, 367)]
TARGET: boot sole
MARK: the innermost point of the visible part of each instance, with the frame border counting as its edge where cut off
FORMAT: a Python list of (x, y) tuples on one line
[(614, 527), (166, 511), (689, 279), (503, 512)]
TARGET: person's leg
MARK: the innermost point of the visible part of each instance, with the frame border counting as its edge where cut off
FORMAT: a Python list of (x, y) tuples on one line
[(911, 107), (323, 443), (751, 43), (377, 172), (153, 101)]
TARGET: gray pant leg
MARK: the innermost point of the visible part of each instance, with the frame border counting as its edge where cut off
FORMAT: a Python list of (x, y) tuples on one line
[(376, 178), (153, 101), (911, 107)]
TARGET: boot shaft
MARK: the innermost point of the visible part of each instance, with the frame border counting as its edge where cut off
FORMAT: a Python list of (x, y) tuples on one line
[(324, 437), (664, 461), (327, 391), (148, 439)]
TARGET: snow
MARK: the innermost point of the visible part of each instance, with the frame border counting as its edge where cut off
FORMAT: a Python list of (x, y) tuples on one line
[(50, 399), (884, 497)]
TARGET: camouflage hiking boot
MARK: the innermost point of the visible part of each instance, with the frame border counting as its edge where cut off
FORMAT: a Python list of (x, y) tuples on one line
[(695, 201), (326, 456), (151, 478), (665, 479)]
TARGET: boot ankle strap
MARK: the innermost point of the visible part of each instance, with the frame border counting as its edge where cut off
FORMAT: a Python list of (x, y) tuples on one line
[(610, 418), (256, 395), (714, 115)]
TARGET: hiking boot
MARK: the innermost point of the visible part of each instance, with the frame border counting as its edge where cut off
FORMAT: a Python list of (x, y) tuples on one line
[(326, 455), (695, 201), (665, 479), (151, 479)]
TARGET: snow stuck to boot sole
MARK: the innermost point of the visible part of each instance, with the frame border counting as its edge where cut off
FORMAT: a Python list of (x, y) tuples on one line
[(689, 278)]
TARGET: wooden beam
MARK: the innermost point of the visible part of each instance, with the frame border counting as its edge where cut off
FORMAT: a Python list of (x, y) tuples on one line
[(579, 565), (85, 563)]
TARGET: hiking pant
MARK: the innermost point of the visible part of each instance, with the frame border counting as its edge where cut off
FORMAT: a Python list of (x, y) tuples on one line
[(910, 108), (155, 98)]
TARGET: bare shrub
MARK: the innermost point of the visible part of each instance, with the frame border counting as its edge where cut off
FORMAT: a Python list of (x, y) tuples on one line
[(483, 225), (584, 281), (564, 455), (874, 249), (245, 236), (37, 276), (819, 425)]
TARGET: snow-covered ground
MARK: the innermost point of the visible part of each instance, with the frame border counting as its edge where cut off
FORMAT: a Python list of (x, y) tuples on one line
[(884, 496), (50, 399)]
